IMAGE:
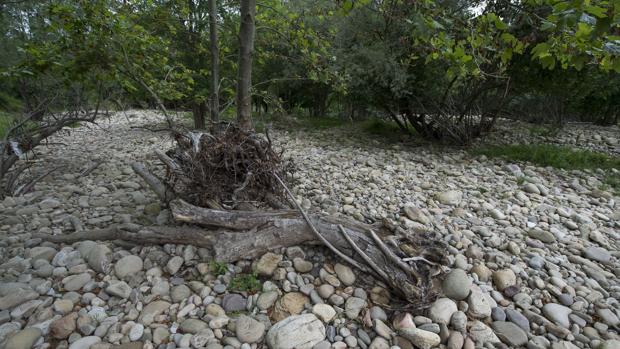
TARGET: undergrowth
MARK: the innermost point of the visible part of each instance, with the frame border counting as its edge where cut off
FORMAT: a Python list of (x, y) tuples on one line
[(551, 155)]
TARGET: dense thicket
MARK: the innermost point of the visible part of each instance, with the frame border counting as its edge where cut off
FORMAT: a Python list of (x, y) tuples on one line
[(444, 69)]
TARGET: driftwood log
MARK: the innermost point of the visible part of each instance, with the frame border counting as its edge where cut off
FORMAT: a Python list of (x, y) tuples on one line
[(237, 235)]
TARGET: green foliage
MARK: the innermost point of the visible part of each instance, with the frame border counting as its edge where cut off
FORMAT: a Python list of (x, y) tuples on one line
[(245, 282), (6, 121), (219, 268), (552, 155)]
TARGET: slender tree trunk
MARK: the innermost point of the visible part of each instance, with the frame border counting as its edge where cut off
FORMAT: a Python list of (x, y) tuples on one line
[(244, 80), (199, 110), (215, 63)]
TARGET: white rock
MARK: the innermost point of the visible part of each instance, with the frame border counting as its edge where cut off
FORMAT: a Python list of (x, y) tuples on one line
[(296, 332)]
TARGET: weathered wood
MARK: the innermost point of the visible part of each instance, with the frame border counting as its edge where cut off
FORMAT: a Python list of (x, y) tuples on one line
[(164, 193)]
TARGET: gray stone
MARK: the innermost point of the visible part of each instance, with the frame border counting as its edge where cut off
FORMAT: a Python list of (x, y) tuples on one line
[(119, 289), (76, 282), (193, 326), (345, 274), (152, 310), (296, 332), (479, 306), (174, 265), (353, 306), (498, 314), (249, 330), (541, 235), (420, 338), (136, 332), (98, 258), (233, 302), (378, 343), (608, 317), (598, 254), (456, 285), (179, 293), (23, 339), (324, 312), (441, 310), (510, 333), (85, 342), (480, 332), (557, 313), (518, 319), (266, 300), (128, 265), (302, 265), (450, 197)]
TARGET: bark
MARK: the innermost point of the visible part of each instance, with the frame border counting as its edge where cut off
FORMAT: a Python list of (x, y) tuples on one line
[(244, 79), (199, 109), (215, 63)]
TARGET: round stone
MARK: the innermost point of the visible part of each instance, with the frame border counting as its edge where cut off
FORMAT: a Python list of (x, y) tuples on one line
[(456, 285)]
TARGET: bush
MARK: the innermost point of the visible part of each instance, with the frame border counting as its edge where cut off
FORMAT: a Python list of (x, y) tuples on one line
[(245, 282)]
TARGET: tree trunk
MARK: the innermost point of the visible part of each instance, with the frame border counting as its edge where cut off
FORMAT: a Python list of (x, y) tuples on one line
[(199, 109), (244, 79), (215, 63), (236, 235)]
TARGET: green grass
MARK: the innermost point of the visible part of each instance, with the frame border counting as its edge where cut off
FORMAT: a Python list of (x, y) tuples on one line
[(219, 268), (543, 131), (245, 282), (552, 155)]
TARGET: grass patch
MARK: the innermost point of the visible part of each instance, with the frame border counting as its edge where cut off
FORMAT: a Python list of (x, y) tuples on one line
[(551, 155), (245, 282), (219, 268), (543, 131)]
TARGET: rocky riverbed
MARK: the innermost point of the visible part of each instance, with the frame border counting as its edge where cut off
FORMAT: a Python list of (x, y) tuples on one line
[(533, 254)]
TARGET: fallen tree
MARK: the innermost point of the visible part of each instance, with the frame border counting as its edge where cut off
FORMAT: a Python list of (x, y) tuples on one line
[(405, 262)]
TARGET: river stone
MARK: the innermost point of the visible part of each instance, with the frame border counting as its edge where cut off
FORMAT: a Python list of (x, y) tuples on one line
[(76, 282), (296, 332), (324, 312), (193, 326), (128, 265), (63, 327), (233, 302), (41, 252), (179, 293), (302, 265), (598, 254), (479, 306), (510, 333), (23, 339), (518, 319), (480, 332), (266, 300), (153, 309), (136, 332), (291, 304), (268, 263), (174, 265), (541, 235), (504, 278), (353, 306), (249, 330), (441, 311), (450, 197), (420, 338), (557, 313), (85, 342), (345, 274), (119, 289), (98, 258), (456, 285)]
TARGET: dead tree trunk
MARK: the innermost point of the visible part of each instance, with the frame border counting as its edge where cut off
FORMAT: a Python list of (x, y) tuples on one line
[(236, 235), (215, 63), (244, 79)]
